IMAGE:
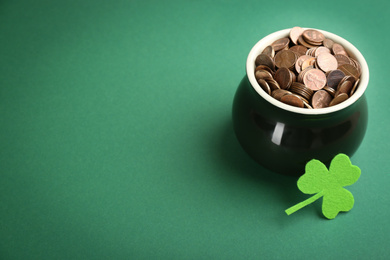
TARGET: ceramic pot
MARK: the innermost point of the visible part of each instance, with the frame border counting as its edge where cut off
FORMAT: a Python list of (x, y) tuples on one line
[(284, 138)]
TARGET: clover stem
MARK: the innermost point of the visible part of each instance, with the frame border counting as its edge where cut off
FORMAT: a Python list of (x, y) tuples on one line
[(306, 202)]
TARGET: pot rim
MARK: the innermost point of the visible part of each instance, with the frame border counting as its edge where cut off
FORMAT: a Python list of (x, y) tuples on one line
[(350, 48)]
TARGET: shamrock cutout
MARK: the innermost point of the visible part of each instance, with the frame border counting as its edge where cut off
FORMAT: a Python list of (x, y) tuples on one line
[(329, 185)]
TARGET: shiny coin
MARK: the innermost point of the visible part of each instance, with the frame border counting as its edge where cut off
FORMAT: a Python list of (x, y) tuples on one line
[(349, 69), (266, 60), (264, 85), (285, 58), (328, 43), (263, 74), (338, 99), (347, 78), (330, 90), (284, 78), (311, 51), (273, 84), (295, 33), (320, 50), (280, 44), (294, 77), (326, 62), (344, 87), (342, 59), (354, 87), (301, 75), (269, 50), (307, 105), (279, 93), (356, 65), (299, 50), (302, 90), (263, 67), (304, 43), (313, 36), (321, 99), (314, 70), (334, 77), (314, 79), (339, 49), (305, 101), (292, 100), (308, 62), (299, 62)]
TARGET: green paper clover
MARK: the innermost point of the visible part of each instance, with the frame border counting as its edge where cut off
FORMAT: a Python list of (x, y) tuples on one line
[(329, 185)]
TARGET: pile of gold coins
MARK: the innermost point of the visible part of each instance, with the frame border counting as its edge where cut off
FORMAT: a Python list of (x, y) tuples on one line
[(307, 70)]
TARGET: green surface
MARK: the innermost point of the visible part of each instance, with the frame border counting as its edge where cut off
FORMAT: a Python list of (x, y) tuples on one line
[(116, 139)]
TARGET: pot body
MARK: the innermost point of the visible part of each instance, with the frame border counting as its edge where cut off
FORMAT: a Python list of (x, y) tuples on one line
[(284, 141)]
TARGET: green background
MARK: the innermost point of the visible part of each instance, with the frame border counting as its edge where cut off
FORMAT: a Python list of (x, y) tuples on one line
[(116, 138)]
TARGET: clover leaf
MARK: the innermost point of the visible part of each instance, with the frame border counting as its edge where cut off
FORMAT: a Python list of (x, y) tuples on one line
[(329, 185)]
